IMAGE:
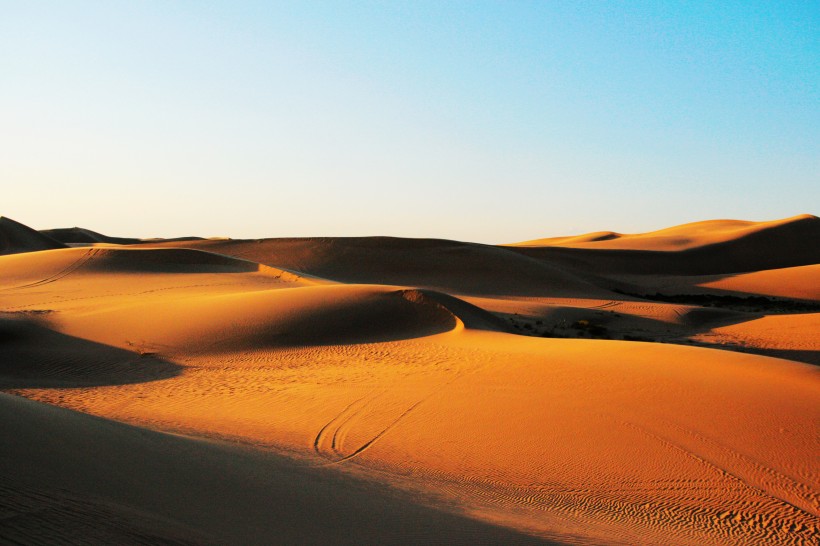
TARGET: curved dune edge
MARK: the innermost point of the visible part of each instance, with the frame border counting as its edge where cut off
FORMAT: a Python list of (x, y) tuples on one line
[(266, 319), (38, 269), (794, 282), (35, 356)]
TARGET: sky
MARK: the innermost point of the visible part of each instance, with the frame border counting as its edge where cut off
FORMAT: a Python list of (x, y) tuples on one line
[(480, 121)]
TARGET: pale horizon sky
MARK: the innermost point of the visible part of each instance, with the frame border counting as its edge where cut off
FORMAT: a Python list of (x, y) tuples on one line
[(480, 121)]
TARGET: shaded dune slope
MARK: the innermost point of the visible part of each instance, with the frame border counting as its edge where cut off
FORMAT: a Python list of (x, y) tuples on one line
[(133, 260), (89, 480), (15, 238), (83, 236), (34, 356), (450, 266), (766, 245), (679, 237), (78, 235)]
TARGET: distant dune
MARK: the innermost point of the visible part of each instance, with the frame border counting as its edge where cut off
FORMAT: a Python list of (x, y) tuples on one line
[(15, 238), (376, 390), (449, 266), (82, 236), (688, 236), (703, 248)]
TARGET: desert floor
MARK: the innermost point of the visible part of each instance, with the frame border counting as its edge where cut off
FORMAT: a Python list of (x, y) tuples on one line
[(658, 388)]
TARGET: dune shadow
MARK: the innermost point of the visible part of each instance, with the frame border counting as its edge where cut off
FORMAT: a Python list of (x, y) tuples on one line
[(584, 323), (733, 301), (433, 264), (167, 261), (34, 356), (79, 478)]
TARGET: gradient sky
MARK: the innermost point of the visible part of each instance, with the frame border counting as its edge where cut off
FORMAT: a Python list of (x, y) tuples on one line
[(480, 121)]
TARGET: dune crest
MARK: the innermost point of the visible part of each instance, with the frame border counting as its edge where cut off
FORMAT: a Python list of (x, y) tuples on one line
[(16, 238)]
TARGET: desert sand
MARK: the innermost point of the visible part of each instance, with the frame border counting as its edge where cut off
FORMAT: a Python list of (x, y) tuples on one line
[(657, 388)]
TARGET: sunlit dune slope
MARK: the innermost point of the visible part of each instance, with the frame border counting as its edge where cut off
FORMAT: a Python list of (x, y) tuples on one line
[(793, 336), (15, 237), (800, 283), (794, 282), (321, 315), (35, 271)]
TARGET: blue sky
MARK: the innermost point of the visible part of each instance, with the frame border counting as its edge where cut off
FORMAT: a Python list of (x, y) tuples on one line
[(482, 121)]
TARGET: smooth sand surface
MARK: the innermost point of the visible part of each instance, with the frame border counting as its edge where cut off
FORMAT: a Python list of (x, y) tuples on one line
[(383, 390)]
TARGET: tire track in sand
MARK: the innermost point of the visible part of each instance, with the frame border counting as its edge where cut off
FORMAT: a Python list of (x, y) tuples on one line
[(332, 427), (337, 427), (71, 268)]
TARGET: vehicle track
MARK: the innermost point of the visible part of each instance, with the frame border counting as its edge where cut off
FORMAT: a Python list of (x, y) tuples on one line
[(332, 427), (337, 427), (74, 266)]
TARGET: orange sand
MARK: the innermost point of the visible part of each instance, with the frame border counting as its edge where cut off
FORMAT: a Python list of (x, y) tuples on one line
[(379, 391)]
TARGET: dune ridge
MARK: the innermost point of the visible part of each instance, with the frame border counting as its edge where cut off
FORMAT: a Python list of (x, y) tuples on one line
[(16, 238), (684, 236), (78, 235), (81, 236)]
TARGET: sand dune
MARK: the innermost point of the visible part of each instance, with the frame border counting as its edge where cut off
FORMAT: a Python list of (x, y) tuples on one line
[(798, 283), (381, 390), (59, 264), (794, 282), (15, 237), (321, 315), (78, 235), (702, 248), (447, 266), (36, 356), (687, 236)]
